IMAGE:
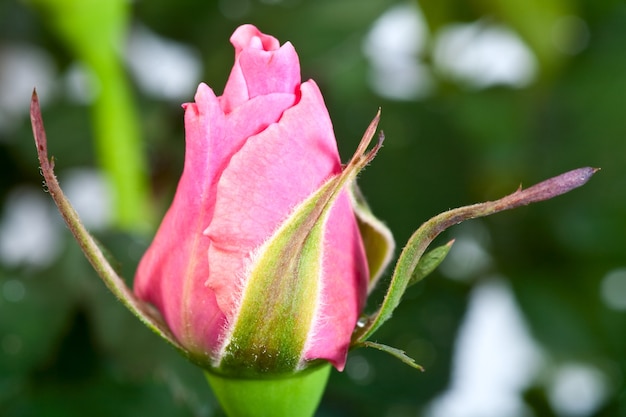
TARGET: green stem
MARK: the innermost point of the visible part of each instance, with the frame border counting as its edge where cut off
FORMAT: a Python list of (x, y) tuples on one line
[(95, 32), (296, 395), (119, 150)]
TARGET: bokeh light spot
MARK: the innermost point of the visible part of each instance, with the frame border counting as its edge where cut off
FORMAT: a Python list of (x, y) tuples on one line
[(13, 290), (577, 390), (613, 289)]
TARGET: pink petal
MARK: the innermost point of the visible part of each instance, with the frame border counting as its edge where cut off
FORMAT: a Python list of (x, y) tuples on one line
[(344, 286), (261, 67), (272, 173), (173, 272), (165, 276), (248, 36)]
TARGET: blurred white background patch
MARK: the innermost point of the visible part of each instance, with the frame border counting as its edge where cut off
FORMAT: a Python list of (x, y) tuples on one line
[(495, 359), (22, 68), (163, 68), (577, 390), (477, 55), (31, 227), (90, 195), (30, 232), (393, 47), (481, 55)]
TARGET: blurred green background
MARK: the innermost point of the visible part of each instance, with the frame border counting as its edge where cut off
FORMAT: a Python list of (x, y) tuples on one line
[(526, 317)]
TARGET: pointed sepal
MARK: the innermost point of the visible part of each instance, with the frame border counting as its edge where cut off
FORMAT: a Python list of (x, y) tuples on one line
[(145, 312), (410, 257), (277, 307), (397, 353), (377, 238)]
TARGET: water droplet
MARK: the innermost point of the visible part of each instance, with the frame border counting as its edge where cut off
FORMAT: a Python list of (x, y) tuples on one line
[(362, 321)]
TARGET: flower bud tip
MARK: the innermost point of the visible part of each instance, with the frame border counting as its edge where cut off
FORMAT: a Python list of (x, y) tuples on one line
[(558, 185)]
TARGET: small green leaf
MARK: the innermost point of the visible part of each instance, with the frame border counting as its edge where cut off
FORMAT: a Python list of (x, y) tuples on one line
[(400, 354), (429, 262)]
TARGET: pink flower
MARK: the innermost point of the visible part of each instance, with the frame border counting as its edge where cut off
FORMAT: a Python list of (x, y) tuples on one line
[(244, 270)]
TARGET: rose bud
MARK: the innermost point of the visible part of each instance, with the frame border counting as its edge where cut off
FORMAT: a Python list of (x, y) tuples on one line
[(263, 262)]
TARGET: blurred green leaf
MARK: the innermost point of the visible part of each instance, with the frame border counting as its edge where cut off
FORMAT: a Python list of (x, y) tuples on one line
[(95, 31)]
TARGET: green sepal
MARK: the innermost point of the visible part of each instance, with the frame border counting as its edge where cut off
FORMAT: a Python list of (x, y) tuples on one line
[(147, 314), (278, 304), (281, 294), (400, 354), (377, 238), (410, 256), (296, 395), (429, 262)]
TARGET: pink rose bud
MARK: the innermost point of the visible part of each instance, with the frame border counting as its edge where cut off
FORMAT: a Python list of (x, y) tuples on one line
[(262, 263)]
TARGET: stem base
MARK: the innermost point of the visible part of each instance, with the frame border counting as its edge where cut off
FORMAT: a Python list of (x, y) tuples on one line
[(297, 395)]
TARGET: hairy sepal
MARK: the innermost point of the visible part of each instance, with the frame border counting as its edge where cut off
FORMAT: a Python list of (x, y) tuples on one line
[(277, 310), (377, 238), (408, 269), (94, 254)]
